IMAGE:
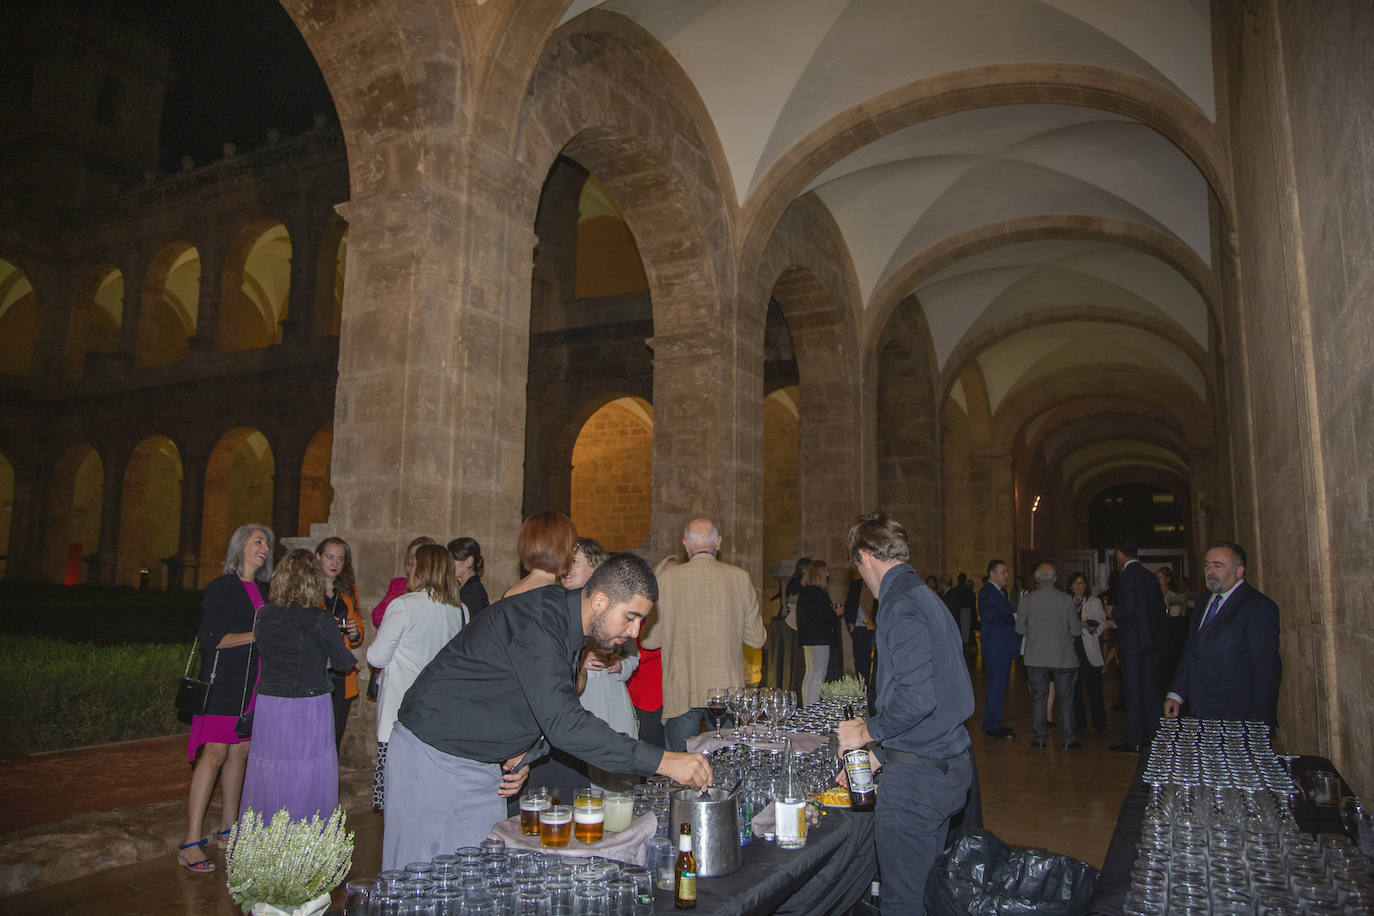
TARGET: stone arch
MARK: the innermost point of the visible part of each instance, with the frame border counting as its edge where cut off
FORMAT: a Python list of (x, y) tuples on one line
[(316, 493), (150, 513), (612, 474), (19, 308), (329, 273), (1167, 330), (255, 286), (238, 491), (6, 511), (781, 476), (99, 314), (1157, 243), (1123, 474), (75, 500), (1099, 427), (1170, 114), (170, 304)]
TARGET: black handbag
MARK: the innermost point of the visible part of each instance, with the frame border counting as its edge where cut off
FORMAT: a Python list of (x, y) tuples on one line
[(244, 726), (193, 693)]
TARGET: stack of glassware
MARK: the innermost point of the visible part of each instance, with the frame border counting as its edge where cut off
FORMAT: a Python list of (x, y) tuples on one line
[(1219, 837), (494, 881)]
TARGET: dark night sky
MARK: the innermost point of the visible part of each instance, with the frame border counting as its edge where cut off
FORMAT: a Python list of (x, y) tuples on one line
[(240, 67)]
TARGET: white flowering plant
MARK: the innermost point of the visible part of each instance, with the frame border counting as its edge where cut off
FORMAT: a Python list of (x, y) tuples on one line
[(288, 862), (849, 687)]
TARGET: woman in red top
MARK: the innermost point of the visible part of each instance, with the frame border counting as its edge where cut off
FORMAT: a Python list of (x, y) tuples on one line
[(646, 684)]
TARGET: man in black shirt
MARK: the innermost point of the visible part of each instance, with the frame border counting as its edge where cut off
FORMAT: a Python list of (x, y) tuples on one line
[(484, 707)]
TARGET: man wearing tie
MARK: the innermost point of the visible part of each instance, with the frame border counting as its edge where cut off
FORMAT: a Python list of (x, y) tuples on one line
[(1230, 665), (1139, 614)]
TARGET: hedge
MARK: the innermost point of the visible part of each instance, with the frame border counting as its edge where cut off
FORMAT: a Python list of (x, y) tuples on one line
[(99, 614), (62, 695)]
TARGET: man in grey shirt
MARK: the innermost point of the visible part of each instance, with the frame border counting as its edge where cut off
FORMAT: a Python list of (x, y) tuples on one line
[(496, 695), (1047, 619)]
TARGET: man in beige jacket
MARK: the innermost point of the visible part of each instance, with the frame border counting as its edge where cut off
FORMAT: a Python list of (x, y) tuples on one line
[(708, 611)]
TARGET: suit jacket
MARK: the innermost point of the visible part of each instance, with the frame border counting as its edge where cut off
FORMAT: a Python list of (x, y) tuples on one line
[(707, 612), (999, 623), (1139, 611), (1049, 622), (1230, 668)]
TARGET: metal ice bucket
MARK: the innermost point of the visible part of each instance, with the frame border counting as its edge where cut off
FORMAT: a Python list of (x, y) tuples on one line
[(714, 817)]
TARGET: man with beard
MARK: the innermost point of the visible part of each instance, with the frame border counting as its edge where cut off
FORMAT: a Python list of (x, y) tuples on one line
[(1230, 665), (494, 697)]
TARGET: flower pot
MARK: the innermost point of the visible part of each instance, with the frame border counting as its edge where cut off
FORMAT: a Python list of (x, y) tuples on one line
[(309, 908)]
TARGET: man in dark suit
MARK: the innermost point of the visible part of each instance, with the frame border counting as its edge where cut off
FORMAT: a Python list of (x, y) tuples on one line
[(1230, 665), (1139, 614), (1000, 647)]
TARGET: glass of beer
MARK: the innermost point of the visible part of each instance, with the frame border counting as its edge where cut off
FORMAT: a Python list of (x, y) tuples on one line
[(555, 826), (531, 803), (619, 810), (589, 815)]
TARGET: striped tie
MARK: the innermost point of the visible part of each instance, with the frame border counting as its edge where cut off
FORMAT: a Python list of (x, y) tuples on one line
[(1211, 609)]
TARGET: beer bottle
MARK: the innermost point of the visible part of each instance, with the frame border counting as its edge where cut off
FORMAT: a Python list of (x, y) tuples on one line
[(862, 794), (685, 887)]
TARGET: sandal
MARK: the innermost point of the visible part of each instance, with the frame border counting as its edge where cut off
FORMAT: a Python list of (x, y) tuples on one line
[(222, 838), (203, 866)]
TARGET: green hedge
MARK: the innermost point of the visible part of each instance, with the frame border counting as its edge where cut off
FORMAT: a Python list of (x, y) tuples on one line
[(99, 614), (63, 695)]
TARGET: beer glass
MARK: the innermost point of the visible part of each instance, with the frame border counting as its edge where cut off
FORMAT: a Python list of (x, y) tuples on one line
[(555, 826), (531, 804), (619, 811), (589, 815)]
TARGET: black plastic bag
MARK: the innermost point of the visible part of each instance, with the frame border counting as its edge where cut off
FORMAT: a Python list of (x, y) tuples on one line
[(980, 875)]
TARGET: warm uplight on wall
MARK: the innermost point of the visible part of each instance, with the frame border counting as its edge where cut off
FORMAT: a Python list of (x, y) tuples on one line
[(1034, 506)]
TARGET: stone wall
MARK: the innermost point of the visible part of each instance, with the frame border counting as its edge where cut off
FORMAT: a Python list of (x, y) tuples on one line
[(612, 476), (1298, 327)]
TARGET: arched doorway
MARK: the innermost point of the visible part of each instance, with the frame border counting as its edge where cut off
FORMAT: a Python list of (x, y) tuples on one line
[(257, 287), (612, 474), (74, 514), (171, 305), (781, 480), (238, 491), (150, 513), (316, 493), (18, 320)]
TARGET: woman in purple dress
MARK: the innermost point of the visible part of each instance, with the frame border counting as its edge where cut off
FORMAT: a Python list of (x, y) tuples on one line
[(228, 664), (293, 764)]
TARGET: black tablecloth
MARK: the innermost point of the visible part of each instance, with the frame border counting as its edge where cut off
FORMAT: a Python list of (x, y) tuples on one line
[(1109, 897), (828, 875)]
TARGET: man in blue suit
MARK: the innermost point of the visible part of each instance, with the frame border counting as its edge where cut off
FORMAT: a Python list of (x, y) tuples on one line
[(1000, 646), (1230, 665), (1140, 615)]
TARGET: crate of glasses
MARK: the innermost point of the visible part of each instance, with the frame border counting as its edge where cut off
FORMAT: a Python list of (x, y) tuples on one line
[(1218, 834), (495, 881)]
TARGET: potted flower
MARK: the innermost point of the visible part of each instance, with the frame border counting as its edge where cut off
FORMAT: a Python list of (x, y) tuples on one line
[(287, 867)]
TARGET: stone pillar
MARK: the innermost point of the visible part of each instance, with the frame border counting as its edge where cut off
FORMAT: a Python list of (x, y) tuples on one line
[(305, 228), (288, 454), (212, 256), (183, 567), (51, 351), (25, 562), (135, 272), (106, 555)]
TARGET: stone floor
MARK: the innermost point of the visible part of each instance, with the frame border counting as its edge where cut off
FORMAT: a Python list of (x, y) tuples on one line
[(127, 805)]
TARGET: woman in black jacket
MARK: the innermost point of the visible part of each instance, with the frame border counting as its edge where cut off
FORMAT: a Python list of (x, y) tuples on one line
[(293, 763), (818, 624), (468, 566)]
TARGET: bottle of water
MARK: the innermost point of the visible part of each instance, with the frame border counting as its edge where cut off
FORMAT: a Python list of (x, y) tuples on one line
[(790, 805), (745, 805), (660, 857)]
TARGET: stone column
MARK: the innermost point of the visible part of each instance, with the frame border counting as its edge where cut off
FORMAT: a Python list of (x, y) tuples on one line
[(25, 562), (106, 554), (212, 256), (288, 454), (299, 323), (183, 567), (135, 271)]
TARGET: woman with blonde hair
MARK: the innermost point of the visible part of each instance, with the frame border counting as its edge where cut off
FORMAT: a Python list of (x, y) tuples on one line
[(546, 546), (416, 626), (228, 664), (293, 763), (817, 621)]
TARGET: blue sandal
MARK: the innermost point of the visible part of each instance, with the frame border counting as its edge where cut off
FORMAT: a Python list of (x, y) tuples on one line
[(222, 838), (201, 867)]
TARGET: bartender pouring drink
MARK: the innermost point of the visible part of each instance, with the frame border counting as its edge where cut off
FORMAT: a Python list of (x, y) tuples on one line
[(496, 695)]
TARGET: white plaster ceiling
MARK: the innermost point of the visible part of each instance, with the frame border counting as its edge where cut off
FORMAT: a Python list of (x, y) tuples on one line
[(1019, 360), (772, 71), (1001, 284)]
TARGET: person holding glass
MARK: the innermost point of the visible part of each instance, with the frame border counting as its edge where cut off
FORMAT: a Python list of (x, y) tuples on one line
[(417, 625), (817, 625), (341, 601), (229, 665)]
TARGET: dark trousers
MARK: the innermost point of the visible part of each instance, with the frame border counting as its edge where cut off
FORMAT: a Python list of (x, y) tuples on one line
[(1064, 680), (341, 708), (1090, 686), (863, 653), (1141, 694), (997, 665), (651, 725), (915, 805)]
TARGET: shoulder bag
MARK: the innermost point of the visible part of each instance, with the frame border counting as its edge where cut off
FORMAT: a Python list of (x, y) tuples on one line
[(244, 726), (192, 692)]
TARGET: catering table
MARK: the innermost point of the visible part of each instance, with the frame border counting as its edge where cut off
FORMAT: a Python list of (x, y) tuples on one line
[(1109, 896), (827, 875)]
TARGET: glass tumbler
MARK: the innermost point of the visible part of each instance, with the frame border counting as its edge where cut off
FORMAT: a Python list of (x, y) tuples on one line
[(359, 897)]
